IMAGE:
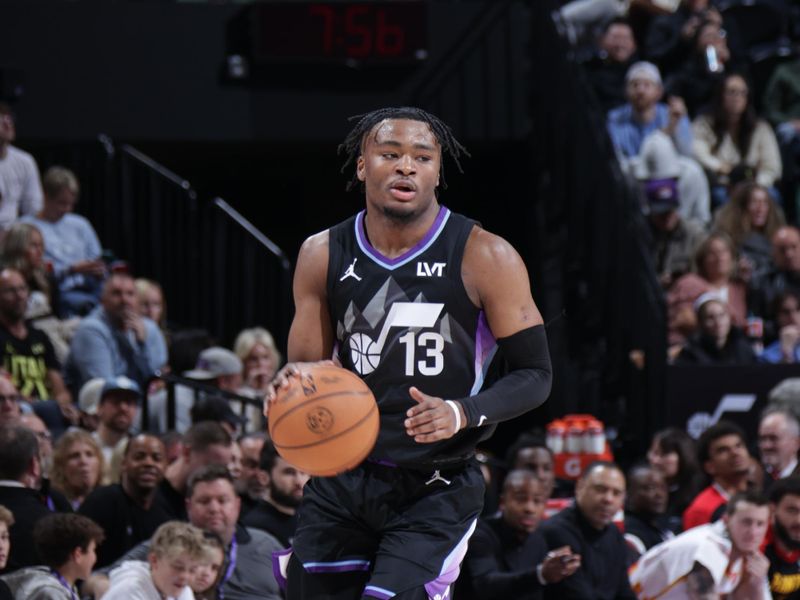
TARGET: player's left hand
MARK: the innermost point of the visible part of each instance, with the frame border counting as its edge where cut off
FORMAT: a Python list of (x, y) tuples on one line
[(432, 419)]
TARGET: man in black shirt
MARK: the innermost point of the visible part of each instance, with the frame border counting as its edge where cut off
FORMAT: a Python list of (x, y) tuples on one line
[(507, 557), (126, 511), (277, 513), (783, 540), (587, 528), (645, 523), (28, 356), (20, 472)]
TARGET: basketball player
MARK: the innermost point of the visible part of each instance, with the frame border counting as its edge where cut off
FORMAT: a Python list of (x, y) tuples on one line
[(416, 300)]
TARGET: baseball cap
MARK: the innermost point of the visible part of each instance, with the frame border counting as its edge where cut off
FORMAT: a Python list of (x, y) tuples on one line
[(214, 362), (662, 195), (214, 408), (94, 390)]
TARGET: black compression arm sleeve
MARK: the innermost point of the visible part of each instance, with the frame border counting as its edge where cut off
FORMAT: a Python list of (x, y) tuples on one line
[(526, 386)]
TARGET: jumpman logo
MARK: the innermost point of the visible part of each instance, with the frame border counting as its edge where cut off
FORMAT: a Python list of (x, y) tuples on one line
[(437, 476), (351, 272)]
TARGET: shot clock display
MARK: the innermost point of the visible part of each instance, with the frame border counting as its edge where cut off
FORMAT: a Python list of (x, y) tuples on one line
[(392, 32)]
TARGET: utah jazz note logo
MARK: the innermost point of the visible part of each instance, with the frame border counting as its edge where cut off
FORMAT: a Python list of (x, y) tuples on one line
[(366, 352)]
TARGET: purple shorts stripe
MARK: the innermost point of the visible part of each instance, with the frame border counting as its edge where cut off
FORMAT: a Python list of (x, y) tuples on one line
[(375, 592), (341, 566), (439, 588), (280, 560)]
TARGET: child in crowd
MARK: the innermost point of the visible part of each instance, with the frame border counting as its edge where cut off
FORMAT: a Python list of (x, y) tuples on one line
[(175, 552), (65, 543), (206, 578)]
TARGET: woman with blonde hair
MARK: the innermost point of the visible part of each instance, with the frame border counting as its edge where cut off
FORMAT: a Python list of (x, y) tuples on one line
[(77, 465), (151, 301), (261, 359), (750, 219)]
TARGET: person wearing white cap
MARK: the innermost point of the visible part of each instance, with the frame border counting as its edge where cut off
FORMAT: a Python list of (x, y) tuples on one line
[(631, 124), (115, 402)]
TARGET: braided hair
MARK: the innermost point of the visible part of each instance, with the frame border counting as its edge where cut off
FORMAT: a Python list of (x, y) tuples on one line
[(351, 146)]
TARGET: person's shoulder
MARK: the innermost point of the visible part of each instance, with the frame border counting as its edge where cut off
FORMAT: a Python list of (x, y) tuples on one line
[(562, 521), (102, 494), (619, 115), (76, 220), (486, 247), (315, 249), (21, 156), (261, 538)]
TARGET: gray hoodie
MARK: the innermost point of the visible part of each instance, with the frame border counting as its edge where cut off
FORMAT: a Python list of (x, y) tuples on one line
[(37, 583)]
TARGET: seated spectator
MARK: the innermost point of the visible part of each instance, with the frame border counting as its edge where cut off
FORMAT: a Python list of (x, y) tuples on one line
[(212, 505), (587, 529), (631, 123), (786, 349), (176, 550), (507, 556), (730, 137), (6, 521), (23, 250), (716, 342), (209, 570), (235, 464), (66, 545), (750, 219), (10, 399), (704, 69), (779, 442), (530, 452), (669, 37), (715, 272), (20, 473), (674, 239), (276, 513), (45, 440), (115, 340), (216, 367), (606, 70), (173, 442), (723, 456), (252, 484), (115, 404), (717, 560), (71, 246), (260, 360), (645, 514), (29, 357), (673, 453), (127, 511), (782, 109), (783, 538), (662, 172), (19, 176), (77, 465), (212, 408), (782, 277), (204, 444), (151, 302)]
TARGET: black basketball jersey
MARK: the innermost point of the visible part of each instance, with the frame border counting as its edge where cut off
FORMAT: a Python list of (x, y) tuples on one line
[(408, 321)]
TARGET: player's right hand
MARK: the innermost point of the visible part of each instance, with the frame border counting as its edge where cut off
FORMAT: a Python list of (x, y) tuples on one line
[(283, 378)]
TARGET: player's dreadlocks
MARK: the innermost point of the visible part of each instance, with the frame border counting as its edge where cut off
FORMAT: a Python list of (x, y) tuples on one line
[(352, 143)]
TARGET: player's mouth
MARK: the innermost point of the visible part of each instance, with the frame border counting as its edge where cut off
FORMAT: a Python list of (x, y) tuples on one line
[(403, 189)]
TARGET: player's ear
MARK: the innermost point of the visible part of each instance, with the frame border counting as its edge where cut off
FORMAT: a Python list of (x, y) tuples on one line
[(360, 168)]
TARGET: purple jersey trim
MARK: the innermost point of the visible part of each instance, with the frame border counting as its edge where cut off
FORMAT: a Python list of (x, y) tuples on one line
[(485, 349), (375, 592), (278, 569), (341, 566), (411, 253)]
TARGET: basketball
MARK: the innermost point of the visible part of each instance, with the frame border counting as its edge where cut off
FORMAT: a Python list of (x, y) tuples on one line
[(325, 422)]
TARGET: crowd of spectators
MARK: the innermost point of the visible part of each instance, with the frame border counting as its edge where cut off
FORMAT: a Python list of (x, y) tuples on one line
[(712, 156)]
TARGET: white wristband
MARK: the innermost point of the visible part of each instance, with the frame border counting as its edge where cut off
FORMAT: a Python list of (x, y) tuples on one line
[(457, 413)]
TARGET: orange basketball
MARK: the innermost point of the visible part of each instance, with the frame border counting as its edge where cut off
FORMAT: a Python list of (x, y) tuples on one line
[(325, 422)]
